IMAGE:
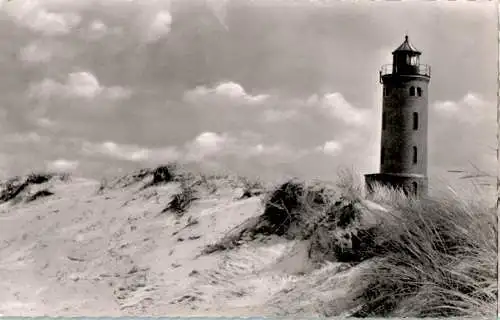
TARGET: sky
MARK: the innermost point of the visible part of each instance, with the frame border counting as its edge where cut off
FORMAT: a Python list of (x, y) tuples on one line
[(260, 88)]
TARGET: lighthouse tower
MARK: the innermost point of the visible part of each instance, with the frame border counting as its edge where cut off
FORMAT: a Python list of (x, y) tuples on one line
[(403, 150)]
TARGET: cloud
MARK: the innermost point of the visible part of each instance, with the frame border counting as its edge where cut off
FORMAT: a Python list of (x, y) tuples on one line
[(36, 52), (62, 165), (150, 20), (125, 152), (230, 93), (271, 151), (209, 140), (331, 147), (446, 107), (51, 23), (463, 131), (205, 145), (77, 85), (130, 152), (26, 137), (45, 51), (81, 84), (45, 122), (472, 109), (275, 115), (224, 148), (34, 15), (207, 148), (97, 29), (291, 127), (281, 85), (336, 106), (159, 26)]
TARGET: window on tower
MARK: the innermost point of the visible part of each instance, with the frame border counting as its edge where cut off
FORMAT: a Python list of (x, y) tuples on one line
[(412, 91), (415, 188), (384, 120), (419, 91), (414, 61), (382, 155), (414, 155), (387, 91), (415, 120)]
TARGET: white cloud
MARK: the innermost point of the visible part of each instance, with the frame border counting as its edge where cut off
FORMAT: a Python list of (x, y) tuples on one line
[(225, 92), (159, 26), (210, 146), (97, 29), (124, 152), (205, 145), (131, 152), (230, 89), (273, 150), (63, 165), (36, 52), (446, 107), (34, 15), (98, 26), (209, 140), (258, 149), (78, 85), (151, 20), (335, 105), (45, 122), (208, 149), (52, 23), (472, 108), (471, 123), (331, 147), (83, 84), (473, 100)]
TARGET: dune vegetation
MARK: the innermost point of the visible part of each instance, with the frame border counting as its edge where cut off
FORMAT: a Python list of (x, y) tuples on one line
[(429, 257), (396, 255)]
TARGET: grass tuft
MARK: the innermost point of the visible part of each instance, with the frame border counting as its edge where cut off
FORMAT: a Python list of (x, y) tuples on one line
[(432, 257), (39, 194), (181, 201), (427, 257), (14, 187)]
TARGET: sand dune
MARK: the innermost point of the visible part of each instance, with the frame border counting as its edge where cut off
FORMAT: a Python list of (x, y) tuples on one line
[(114, 253), (167, 243)]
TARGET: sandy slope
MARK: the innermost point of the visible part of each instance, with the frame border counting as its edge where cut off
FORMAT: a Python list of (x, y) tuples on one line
[(82, 253)]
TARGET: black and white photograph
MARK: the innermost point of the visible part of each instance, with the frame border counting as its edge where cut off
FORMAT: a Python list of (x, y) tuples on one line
[(248, 158)]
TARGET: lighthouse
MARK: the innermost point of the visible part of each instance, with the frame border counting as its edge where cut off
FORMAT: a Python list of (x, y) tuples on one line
[(403, 147)]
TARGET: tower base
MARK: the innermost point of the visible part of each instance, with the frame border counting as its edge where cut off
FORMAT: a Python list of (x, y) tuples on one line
[(414, 184)]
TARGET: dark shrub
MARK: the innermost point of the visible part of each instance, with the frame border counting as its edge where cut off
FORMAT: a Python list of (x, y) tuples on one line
[(163, 174), (181, 201), (281, 208), (40, 194), (38, 178), (12, 189)]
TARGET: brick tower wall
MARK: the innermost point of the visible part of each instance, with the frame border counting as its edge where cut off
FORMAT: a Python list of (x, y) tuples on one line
[(398, 135)]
